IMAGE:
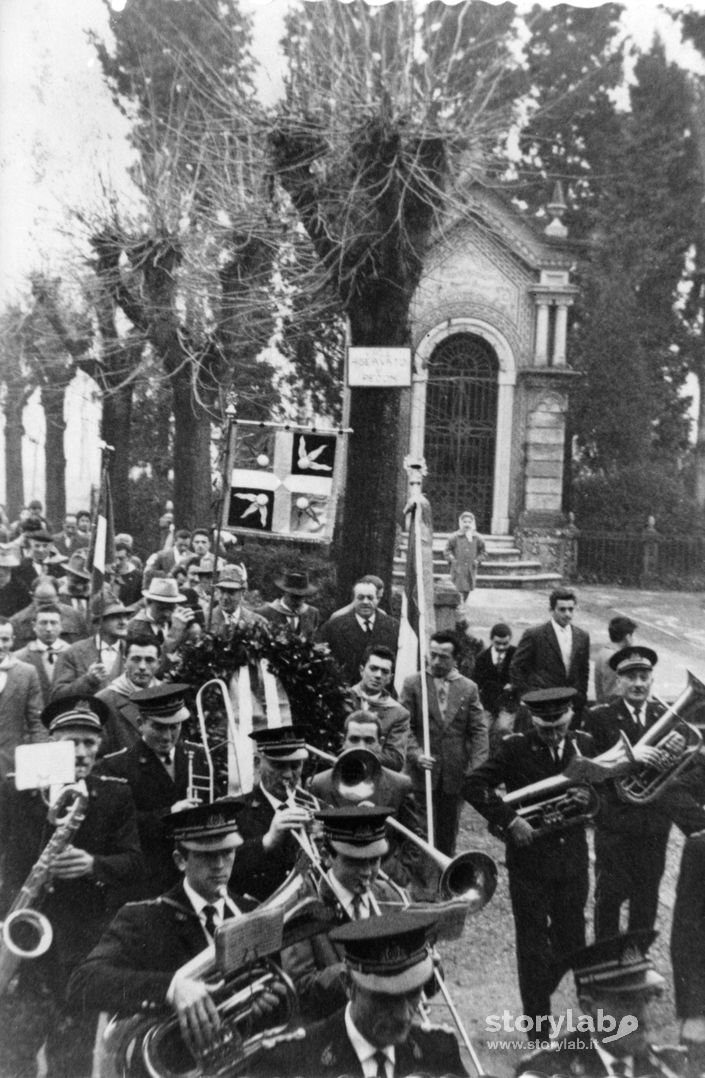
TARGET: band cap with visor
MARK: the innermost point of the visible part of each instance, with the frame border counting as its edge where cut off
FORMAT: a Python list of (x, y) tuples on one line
[(75, 711), (207, 828), (357, 830), (634, 657), (548, 706), (282, 744), (163, 703), (616, 966), (389, 954)]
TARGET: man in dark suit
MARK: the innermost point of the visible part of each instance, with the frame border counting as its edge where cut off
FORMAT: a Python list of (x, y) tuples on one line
[(88, 665), (136, 967), (491, 672), (68, 540), (292, 612), (230, 612), (630, 840), (548, 872), (269, 818), (43, 592), (157, 771), (100, 855), (388, 963), (43, 652), (616, 984), (13, 594), (458, 730), (350, 635), (142, 658), (554, 654), (163, 561)]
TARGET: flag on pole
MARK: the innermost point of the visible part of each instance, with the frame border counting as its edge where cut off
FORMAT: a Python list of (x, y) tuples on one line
[(408, 646), (102, 550)]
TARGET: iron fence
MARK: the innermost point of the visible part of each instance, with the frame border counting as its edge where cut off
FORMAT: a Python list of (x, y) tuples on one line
[(641, 559)]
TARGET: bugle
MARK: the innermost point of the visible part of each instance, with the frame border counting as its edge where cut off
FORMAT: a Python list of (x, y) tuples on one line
[(676, 740), (554, 804), (470, 876)]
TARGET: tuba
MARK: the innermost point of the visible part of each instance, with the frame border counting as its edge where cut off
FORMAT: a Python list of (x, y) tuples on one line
[(27, 933), (554, 804), (677, 741)]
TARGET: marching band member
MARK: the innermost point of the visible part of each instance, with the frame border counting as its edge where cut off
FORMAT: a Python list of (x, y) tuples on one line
[(135, 967), (614, 978), (88, 877), (688, 949), (387, 963), (548, 874), (157, 771), (270, 814), (354, 845)]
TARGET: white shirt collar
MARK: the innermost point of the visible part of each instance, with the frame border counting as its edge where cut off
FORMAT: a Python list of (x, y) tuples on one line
[(102, 644), (58, 645), (561, 630), (609, 1060), (365, 621), (199, 902), (346, 897), (362, 1048)]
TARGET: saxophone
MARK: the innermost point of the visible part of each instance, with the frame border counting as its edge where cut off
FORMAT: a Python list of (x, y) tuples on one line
[(25, 932)]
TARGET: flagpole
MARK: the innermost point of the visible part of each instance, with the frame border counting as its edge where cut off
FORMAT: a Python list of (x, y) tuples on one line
[(226, 480), (421, 603), (105, 451)]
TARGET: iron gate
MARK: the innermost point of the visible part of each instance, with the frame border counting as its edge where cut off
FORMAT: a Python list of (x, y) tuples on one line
[(460, 433)]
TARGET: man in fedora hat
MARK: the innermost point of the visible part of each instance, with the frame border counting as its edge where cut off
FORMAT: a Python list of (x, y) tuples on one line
[(75, 585), (157, 771), (292, 612), (87, 877), (13, 594), (230, 612), (630, 840), (270, 814), (388, 963), (354, 844), (36, 548), (141, 663), (548, 872), (616, 984), (43, 652), (89, 665), (136, 968), (163, 616)]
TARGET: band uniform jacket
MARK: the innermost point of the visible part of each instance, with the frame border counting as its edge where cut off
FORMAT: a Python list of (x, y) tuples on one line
[(78, 909), (491, 679), (459, 742), (538, 663), (71, 675), (130, 968), (325, 1052), (258, 872), (315, 964), (280, 618), (569, 1058), (604, 723), (154, 792), (20, 708), (393, 720), (522, 759), (688, 931), (348, 642)]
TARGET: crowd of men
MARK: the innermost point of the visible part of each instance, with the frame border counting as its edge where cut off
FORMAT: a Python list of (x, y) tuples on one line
[(143, 874)]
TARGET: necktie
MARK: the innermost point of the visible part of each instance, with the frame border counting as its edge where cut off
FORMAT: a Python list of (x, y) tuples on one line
[(209, 913), (381, 1061), (639, 714), (51, 656), (442, 694), (356, 907), (367, 625)]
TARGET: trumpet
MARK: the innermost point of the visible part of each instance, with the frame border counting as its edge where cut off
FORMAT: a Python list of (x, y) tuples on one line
[(554, 804), (470, 876), (677, 741)]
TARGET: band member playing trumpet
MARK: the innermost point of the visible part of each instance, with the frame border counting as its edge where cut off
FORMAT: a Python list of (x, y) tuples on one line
[(136, 966), (548, 873), (272, 812), (87, 877), (354, 843), (616, 984), (157, 771), (387, 963), (630, 840)]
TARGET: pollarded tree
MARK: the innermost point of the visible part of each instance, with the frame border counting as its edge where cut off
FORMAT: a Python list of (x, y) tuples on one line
[(389, 114)]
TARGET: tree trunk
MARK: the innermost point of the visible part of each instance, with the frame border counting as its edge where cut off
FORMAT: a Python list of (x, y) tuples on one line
[(699, 450), (115, 429), (192, 464), (54, 456), (14, 432)]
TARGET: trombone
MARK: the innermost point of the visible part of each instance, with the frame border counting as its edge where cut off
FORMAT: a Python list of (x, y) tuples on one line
[(201, 784)]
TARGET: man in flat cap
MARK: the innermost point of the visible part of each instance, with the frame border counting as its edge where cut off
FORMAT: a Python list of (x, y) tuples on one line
[(136, 967), (230, 612), (87, 878), (354, 843), (388, 963), (276, 807), (630, 840), (89, 665), (616, 984), (156, 769), (547, 863)]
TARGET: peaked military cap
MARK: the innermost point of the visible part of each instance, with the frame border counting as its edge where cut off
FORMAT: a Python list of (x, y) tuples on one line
[(86, 711), (633, 657), (283, 743), (357, 830), (389, 954), (207, 827), (616, 965), (165, 703), (549, 705)]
